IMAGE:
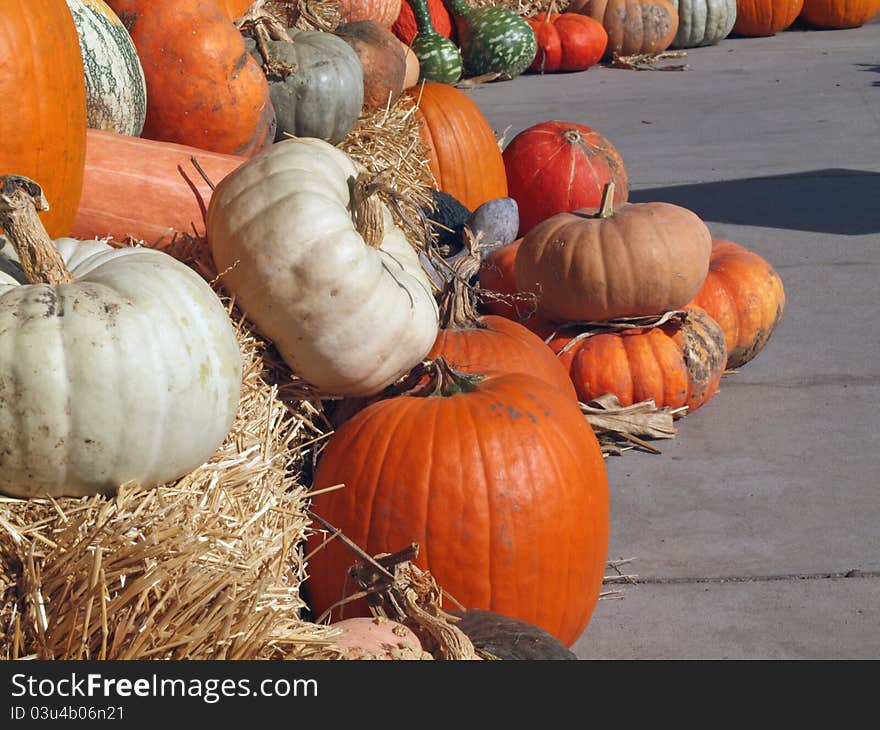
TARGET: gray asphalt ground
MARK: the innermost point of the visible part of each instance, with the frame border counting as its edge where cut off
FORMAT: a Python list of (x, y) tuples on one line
[(756, 533)]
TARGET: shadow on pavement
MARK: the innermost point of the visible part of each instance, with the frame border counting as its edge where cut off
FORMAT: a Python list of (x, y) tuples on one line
[(871, 68), (836, 201)]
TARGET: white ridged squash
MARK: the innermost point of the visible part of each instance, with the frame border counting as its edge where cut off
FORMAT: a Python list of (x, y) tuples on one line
[(703, 22), (132, 372), (116, 91), (348, 318)]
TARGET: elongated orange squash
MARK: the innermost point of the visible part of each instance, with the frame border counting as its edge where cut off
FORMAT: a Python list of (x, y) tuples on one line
[(144, 189)]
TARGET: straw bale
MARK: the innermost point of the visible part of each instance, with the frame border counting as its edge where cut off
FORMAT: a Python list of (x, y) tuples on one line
[(207, 567)]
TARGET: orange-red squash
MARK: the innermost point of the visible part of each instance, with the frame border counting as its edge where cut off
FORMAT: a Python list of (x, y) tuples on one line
[(567, 42), (43, 88), (203, 88), (765, 17), (234, 9), (499, 479), (405, 26), (462, 150), (745, 295), (557, 166), (143, 189)]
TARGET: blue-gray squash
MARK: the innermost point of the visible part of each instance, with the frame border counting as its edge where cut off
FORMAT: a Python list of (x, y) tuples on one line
[(703, 22), (316, 82)]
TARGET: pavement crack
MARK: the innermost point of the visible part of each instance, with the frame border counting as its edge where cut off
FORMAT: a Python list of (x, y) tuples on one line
[(641, 580)]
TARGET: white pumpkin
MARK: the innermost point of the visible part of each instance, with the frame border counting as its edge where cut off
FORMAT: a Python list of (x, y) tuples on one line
[(116, 91), (703, 22), (347, 317), (130, 372)]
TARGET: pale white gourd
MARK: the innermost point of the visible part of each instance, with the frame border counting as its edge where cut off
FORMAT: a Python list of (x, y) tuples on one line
[(130, 372), (347, 317), (703, 22)]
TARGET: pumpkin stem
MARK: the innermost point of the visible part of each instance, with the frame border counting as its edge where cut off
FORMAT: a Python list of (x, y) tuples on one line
[(606, 207), (457, 303), (20, 199), (366, 209), (447, 381)]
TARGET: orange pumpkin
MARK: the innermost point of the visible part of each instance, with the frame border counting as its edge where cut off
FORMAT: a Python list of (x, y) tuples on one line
[(745, 295), (384, 12), (675, 364), (765, 17), (145, 189), (43, 122), (499, 479), (203, 88), (838, 14), (462, 150), (474, 344)]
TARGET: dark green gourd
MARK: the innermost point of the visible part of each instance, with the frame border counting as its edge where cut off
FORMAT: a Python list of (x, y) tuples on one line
[(493, 40), (439, 58)]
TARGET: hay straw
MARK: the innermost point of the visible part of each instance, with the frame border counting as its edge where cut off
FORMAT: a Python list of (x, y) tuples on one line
[(208, 567), (323, 15)]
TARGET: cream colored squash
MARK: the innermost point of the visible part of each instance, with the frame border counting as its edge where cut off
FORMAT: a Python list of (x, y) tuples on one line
[(129, 372), (347, 317)]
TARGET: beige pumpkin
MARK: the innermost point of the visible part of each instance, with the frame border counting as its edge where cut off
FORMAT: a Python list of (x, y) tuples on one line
[(371, 638), (347, 316), (638, 260), (116, 365)]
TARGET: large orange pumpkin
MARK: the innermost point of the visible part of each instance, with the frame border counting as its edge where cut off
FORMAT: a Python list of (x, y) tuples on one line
[(462, 150), (43, 88), (744, 294), (557, 166), (203, 88), (765, 17), (675, 364), (144, 189), (838, 14), (499, 479)]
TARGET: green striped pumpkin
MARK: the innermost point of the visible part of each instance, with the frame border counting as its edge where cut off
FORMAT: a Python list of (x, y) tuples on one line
[(116, 93), (493, 40), (439, 58)]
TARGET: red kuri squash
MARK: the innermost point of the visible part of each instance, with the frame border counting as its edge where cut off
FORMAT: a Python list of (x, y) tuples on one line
[(558, 166)]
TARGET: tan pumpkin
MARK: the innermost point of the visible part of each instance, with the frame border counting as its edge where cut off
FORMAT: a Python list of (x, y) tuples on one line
[(590, 265), (633, 26), (382, 57)]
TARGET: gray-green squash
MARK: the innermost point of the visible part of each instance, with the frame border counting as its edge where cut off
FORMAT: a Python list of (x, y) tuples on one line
[(439, 58), (316, 84), (493, 40), (703, 22)]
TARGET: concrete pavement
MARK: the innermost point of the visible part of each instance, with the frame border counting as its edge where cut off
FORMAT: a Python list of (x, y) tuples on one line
[(756, 533)]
